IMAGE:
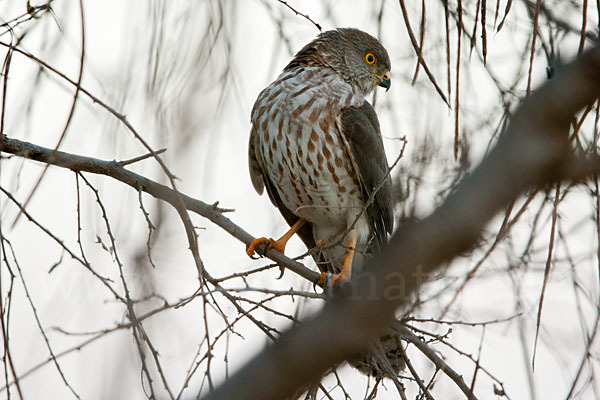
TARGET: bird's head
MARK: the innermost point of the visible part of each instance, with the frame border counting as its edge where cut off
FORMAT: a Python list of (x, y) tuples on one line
[(357, 56)]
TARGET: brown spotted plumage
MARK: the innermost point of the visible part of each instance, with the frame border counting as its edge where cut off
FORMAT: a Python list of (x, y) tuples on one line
[(316, 146)]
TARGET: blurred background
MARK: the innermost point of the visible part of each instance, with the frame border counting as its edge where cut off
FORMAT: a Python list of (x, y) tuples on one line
[(185, 75)]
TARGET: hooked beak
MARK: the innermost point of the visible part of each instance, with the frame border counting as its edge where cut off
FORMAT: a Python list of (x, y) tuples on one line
[(384, 81)]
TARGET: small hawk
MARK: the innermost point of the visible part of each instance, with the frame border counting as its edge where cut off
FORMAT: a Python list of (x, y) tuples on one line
[(316, 146)]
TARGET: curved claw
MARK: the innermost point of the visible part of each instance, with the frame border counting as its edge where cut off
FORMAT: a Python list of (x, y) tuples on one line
[(282, 271)]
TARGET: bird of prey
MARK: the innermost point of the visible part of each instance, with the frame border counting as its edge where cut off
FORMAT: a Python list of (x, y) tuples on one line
[(316, 146)]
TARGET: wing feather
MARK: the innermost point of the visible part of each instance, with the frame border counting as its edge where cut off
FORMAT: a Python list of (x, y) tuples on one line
[(254, 165), (360, 127)]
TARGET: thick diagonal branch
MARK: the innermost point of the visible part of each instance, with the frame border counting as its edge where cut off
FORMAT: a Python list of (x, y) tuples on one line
[(533, 150)]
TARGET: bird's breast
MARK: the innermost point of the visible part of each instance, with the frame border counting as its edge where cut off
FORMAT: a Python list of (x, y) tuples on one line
[(303, 152)]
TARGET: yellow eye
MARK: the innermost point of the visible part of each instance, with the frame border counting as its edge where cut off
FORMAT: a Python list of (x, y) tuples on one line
[(370, 58)]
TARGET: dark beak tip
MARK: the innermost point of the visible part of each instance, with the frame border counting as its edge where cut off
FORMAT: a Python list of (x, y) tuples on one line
[(385, 83)]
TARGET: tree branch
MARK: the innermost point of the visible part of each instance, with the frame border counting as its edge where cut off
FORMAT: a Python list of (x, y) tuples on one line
[(116, 170), (532, 151), (439, 363)]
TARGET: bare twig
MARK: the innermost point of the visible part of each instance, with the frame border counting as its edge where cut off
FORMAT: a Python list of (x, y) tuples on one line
[(439, 363), (69, 117), (285, 3), (39, 323), (418, 50), (546, 270)]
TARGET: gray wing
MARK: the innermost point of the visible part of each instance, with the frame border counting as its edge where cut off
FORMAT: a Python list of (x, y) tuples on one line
[(360, 127), (256, 169)]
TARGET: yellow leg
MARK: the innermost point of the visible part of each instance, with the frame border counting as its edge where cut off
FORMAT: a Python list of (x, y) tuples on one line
[(346, 273), (278, 244)]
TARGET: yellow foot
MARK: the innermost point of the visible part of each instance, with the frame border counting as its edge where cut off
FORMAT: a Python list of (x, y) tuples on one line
[(271, 243), (344, 276), (278, 244), (332, 279), (250, 250)]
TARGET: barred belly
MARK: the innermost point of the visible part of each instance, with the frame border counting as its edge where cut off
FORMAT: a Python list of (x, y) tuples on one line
[(305, 155)]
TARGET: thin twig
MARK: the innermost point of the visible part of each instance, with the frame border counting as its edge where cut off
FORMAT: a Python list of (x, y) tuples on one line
[(285, 3), (418, 51), (439, 363), (546, 271)]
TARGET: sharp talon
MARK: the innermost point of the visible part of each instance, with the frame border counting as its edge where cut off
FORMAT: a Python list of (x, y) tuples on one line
[(251, 254), (282, 271)]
